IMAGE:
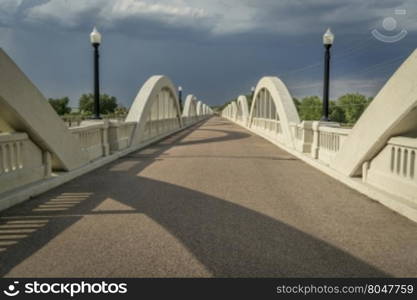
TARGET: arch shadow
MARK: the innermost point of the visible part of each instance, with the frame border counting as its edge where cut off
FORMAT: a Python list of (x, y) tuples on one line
[(228, 239)]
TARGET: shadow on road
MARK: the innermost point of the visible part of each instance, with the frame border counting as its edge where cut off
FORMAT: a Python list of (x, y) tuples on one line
[(229, 239)]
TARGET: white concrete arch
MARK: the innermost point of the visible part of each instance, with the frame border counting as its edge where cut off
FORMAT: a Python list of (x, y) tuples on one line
[(189, 113), (233, 108), (155, 109), (273, 106), (393, 112), (242, 110), (227, 111), (190, 106), (23, 108), (199, 108)]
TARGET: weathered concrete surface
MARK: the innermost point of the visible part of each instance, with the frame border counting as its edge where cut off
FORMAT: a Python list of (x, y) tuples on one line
[(212, 201), (393, 112), (23, 108)]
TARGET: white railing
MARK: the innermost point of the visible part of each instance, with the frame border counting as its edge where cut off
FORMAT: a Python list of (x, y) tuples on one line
[(268, 127), (240, 119), (93, 139), (327, 140), (11, 152), (31, 156), (394, 168), (21, 161), (403, 156), (155, 128), (303, 136), (120, 135), (189, 120)]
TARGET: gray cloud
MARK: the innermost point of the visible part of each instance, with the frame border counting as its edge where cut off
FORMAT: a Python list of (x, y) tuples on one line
[(215, 49)]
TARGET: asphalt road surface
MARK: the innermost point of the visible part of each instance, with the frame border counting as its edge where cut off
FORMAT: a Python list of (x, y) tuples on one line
[(211, 201)]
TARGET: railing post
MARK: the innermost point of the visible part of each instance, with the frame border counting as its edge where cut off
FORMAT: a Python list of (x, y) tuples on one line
[(47, 162), (105, 138), (316, 140), (365, 168)]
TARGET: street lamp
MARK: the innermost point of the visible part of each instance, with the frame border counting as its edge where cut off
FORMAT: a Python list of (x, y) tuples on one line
[(252, 91), (180, 96), (328, 39), (95, 39)]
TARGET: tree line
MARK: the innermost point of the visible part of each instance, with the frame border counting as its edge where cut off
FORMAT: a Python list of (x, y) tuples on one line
[(347, 109), (108, 105)]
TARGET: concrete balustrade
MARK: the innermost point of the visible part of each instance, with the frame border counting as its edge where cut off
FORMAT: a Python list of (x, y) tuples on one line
[(394, 168), (388, 172), (93, 138), (120, 135), (23, 108), (303, 136), (269, 127), (39, 153), (155, 128), (327, 140), (21, 161)]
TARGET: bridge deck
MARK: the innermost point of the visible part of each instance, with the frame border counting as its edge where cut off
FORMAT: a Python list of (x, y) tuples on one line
[(214, 200)]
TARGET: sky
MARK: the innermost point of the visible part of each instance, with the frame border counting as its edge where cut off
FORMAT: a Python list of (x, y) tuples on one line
[(216, 50)]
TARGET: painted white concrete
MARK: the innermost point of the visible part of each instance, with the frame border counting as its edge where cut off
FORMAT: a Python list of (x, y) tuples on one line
[(394, 169), (199, 108), (156, 101), (381, 147), (190, 108), (395, 202), (25, 157), (393, 112), (242, 115), (22, 161), (27, 191), (273, 89), (24, 109)]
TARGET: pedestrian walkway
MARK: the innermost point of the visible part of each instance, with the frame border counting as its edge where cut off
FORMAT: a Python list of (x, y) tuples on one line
[(211, 201)]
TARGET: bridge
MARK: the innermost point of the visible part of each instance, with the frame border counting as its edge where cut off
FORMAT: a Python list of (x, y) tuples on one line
[(180, 193)]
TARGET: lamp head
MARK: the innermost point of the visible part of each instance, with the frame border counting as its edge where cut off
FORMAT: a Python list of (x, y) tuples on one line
[(328, 37), (95, 37)]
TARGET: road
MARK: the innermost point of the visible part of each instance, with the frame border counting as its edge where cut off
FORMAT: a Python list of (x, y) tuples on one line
[(212, 201)]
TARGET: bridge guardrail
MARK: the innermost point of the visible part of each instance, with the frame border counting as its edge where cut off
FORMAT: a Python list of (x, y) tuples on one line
[(394, 168), (21, 161), (383, 161)]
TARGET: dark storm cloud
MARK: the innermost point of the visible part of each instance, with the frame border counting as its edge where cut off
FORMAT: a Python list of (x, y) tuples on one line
[(215, 49)]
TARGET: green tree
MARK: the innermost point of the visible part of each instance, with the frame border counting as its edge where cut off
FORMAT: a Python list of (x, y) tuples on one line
[(60, 105), (108, 104), (121, 111), (310, 108), (353, 106), (337, 114)]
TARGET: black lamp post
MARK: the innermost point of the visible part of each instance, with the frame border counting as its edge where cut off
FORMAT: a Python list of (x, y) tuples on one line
[(328, 39), (180, 96), (252, 92), (95, 38)]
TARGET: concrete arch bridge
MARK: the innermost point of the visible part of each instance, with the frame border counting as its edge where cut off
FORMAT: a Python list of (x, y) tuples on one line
[(249, 192)]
